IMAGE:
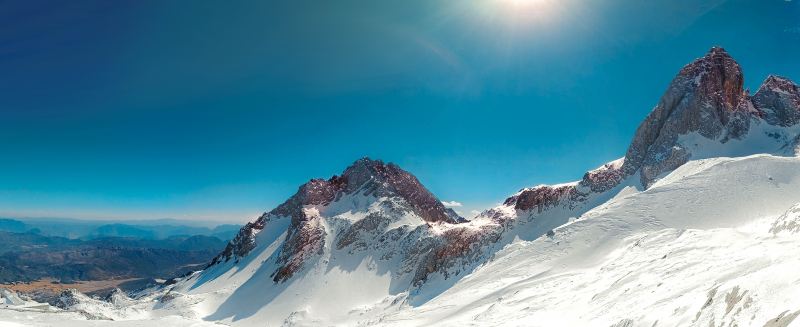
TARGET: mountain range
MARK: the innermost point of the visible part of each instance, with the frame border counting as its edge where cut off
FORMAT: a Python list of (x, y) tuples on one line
[(375, 236), (91, 229), (41, 255), (694, 225)]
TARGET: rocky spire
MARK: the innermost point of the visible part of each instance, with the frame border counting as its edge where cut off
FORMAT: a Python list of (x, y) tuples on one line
[(706, 97)]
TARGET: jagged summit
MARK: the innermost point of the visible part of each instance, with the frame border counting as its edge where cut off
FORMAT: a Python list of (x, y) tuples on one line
[(778, 100), (718, 76), (366, 177), (370, 178), (779, 83), (706, 97)]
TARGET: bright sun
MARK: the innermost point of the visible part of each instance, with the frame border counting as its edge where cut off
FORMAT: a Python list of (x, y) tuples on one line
[(529, 3), (528, 6)]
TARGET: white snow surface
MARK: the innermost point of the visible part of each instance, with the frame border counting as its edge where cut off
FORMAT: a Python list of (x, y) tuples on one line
[(694, 249), (121, 311), (697, 248)]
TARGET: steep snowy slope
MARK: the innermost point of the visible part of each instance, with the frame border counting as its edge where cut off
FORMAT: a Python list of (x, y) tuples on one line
[(336, 245)]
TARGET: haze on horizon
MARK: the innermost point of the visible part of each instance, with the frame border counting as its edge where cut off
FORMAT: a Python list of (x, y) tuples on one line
[(143, 110)]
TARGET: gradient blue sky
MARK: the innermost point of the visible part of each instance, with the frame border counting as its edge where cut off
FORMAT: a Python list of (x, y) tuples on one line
[(195, 110)]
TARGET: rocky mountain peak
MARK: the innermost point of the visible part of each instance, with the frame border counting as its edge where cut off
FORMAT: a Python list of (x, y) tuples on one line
[(374, 172), (365, 165), (371, 178), (365, 177), (306, 235), (376, 178), (778, 101), (717, 76), (780, 84), (706, 97)]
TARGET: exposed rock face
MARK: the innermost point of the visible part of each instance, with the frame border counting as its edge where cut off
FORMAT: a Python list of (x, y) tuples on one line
[(779, 101), (242, 243), (604, 178), (541, 198), (68, 299), (303, 242), (707, 97), (452, 252)]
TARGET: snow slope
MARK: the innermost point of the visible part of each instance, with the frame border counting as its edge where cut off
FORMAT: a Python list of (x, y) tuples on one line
[(244, 291), (699, 247), (688, 251)]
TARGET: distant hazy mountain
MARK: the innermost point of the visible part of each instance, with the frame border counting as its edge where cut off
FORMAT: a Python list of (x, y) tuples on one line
[(69, 249), (89, 229), (30, 256), (15, 226)]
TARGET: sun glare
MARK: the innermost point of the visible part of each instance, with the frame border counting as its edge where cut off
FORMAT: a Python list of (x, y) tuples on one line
[(523, 12), (528, 3)]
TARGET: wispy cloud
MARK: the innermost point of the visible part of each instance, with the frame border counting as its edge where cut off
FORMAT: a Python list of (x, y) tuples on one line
[(452, 204)]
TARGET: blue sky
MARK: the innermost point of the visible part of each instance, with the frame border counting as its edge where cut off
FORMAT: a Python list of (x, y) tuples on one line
[(192, 110)]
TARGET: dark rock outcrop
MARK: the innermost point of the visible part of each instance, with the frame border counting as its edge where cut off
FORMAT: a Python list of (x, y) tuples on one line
[(455, 251), (302, 243), (541, 198), (604, 178)]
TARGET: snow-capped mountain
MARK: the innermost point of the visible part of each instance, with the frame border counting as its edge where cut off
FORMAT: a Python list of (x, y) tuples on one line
[(695, 226), (374, 240), (369, 200), (373, 228)]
